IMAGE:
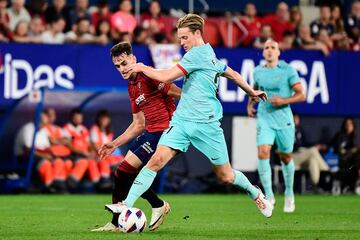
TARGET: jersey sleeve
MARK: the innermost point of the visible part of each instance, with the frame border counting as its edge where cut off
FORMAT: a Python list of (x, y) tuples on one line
[(293, 76), (188, 63), (93, 135), (220, 66)]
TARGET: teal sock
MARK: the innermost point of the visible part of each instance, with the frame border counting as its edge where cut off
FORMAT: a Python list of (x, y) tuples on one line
[(264, 170), (243, 182), (141, 184), (288, 173)]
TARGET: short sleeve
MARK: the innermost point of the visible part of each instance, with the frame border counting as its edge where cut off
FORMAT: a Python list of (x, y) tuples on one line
[(28, 135), (93, 135), (188, 63), (220, 66), (293, 76)]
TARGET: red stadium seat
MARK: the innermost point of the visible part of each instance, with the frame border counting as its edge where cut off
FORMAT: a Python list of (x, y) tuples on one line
[(231, 33)]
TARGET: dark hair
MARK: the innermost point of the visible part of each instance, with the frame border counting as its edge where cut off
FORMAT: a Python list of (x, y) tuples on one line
[(102, 114), (102, 3), (120, 48), (75, 111), (343, 126), (97, 30), (80, 19)]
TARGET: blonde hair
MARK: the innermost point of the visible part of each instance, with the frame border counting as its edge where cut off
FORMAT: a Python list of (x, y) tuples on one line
[(192, 21)]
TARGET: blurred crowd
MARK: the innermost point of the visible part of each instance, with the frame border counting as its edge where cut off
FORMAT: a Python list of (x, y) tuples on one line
[(65, 156), (100, 24)]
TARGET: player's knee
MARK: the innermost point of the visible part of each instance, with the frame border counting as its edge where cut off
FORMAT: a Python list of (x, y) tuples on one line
[(156, 162), (264, 154), (285, 157)]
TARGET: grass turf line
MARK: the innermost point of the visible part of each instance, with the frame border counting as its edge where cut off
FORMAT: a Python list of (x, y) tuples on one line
[(209, 217)]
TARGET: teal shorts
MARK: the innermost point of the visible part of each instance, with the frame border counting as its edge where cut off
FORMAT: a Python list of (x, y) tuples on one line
[(284, 137), (208, 138)]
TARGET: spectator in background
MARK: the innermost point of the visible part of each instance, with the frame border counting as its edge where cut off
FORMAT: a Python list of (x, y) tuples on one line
[(345, 145), (140, 36), (36, 27), (17, 12), (38, 7), (56, 11), (21, 34), (59, 148), (82, 33), (252, 24), (100, 134), (322, 23), (152, 20), (103, 32), (265, 34), (102, 13), (46, 165), (279, 22), (340, 39), (80, 11), (123, 20), (82, 153), (5, 33), (353, 22), (305, 41), (174, 39), (54, 34), (296, 18), (306, 155), (288, 41)]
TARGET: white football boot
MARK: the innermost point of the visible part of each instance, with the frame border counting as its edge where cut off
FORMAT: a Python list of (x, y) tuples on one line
[(116, 207), (289, 205), (158, 215), (272, 201), (264, 205), (109, 227)]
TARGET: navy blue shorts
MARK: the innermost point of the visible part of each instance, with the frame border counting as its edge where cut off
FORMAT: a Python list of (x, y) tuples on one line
[(144, 145)]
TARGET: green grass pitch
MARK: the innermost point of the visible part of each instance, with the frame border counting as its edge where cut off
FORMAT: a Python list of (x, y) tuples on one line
[(209, 217)]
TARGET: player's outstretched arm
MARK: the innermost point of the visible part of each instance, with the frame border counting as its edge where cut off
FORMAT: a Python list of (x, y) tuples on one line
[(135, 128), (240, 81), (161, 75), (174, 91)]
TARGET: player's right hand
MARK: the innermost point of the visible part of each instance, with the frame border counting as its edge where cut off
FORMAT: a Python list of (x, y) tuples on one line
[(106, 150), (251, 111)]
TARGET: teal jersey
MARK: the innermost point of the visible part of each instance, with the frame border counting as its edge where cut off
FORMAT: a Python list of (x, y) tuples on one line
[(199, 102), (276, 81)]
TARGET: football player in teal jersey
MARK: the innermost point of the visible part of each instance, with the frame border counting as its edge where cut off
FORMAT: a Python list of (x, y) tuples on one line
[(197, 118), (275, 121)]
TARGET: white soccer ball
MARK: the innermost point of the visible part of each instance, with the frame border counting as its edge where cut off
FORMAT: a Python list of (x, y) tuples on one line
[(132, 220)]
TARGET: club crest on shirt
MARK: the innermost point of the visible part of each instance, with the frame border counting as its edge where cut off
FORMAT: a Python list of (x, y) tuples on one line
[(140, 99), (161, 86)]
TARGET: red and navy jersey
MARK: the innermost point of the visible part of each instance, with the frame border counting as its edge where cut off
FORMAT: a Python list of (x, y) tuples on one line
[(150, 97)]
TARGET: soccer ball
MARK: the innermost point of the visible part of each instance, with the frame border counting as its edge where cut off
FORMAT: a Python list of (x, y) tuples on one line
[(132, 220)]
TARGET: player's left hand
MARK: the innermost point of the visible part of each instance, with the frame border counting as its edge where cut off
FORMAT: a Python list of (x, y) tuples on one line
[(277, 101), (134, 68)]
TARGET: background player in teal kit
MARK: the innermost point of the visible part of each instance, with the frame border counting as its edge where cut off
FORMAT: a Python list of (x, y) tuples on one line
[(275, 121), (197, 118)]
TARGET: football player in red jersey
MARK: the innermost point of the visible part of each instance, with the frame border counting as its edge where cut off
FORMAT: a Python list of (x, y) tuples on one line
[(152, 105)]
